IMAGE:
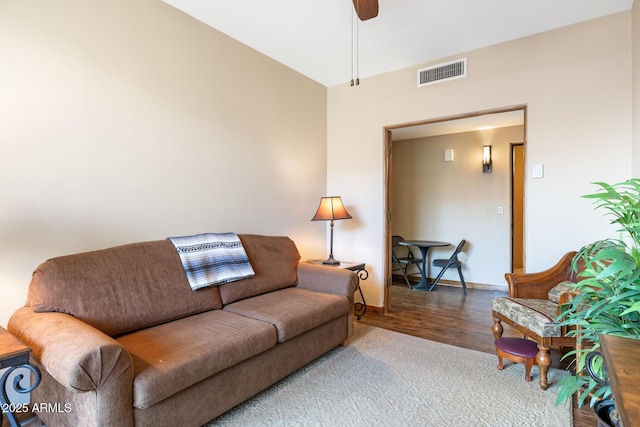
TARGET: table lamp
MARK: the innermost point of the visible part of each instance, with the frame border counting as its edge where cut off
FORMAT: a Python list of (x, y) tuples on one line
[(331, 209)]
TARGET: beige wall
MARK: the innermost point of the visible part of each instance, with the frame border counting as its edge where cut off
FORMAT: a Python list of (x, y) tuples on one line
[(635, 55), (450, 201), (575, 82), (123, 121)]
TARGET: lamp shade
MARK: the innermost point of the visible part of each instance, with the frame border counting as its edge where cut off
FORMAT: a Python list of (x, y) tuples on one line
[(330, 209)]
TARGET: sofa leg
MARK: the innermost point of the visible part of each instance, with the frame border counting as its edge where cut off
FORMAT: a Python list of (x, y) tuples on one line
[(544, 361), (497, 328)]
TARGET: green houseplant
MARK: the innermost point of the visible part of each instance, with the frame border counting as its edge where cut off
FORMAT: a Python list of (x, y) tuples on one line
[(607, 298)]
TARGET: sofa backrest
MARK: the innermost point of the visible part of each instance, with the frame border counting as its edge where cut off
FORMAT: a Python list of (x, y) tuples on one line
[(120, 289), (274, 260)]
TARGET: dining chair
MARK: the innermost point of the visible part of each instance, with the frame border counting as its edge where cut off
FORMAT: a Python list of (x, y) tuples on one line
[(451, 262), (403, 258)]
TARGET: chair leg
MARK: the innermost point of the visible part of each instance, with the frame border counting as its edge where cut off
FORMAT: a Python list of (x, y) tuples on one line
[(419, 268), (406, 278), (497, 328), (439, 276), (528, 364), (464, 285), (437, 279), (544, 361)]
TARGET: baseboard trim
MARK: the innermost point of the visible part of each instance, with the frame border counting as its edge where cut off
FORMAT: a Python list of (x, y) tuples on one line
[(470, 285)]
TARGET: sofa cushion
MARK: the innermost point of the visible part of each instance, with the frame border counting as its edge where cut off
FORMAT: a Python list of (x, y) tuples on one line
[(171, 357), (559, 289), (535, 314), (293, 311), (120, 289), (274, 260)]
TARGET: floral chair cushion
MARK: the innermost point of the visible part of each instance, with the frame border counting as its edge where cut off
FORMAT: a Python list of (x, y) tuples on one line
[(559, 289), (534, 314)]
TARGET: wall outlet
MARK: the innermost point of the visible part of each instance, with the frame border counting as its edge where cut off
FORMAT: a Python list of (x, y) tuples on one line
[(500, 210)]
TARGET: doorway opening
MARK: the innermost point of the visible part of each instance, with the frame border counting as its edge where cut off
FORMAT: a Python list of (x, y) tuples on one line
[(429, 159)]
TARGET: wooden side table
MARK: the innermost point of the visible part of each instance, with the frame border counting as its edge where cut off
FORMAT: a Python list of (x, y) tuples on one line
[(359, 268), (622, 358), (13, 355)]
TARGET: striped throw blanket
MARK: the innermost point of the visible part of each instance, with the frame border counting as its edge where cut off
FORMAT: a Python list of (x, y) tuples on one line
[(212, 259)]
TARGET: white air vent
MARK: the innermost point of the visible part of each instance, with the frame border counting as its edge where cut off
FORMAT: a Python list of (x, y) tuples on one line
[(442, 72)]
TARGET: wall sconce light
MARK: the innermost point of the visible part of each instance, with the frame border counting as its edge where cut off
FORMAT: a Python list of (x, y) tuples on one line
[(486, 159), (448, 155)]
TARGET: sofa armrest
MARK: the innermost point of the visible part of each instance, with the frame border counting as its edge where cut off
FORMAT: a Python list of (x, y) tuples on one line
[(328, 279), (78, 356), (333, 280), (537, 285)]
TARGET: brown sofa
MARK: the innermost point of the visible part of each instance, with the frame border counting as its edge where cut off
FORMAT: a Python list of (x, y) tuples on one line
[(121, 339)]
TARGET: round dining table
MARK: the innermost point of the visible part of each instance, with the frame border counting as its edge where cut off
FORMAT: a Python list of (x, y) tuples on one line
[(424, 246)]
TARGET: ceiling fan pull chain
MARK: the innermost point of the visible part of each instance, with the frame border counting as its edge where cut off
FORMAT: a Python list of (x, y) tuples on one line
[(352, 48), (355, 43), (352, 41), (358, 49)]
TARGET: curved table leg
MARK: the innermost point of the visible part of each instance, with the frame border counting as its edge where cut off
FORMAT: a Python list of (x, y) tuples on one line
[(424, 281), (361, 308), (16, 387)]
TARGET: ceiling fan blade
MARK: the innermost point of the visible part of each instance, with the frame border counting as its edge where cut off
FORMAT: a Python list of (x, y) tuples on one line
[(366, 9)]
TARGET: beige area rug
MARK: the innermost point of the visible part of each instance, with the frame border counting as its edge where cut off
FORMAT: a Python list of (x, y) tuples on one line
[(385, 378)]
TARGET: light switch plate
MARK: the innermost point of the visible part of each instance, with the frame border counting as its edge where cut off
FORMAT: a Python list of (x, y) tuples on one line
[(538, 171)]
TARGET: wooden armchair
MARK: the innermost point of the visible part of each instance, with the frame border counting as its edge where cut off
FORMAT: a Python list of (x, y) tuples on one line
[(533, 306)]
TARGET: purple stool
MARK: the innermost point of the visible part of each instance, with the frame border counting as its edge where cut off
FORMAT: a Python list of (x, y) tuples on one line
[(517, 350)]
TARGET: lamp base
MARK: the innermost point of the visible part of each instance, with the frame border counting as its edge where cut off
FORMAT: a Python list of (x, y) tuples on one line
[(331, 261)]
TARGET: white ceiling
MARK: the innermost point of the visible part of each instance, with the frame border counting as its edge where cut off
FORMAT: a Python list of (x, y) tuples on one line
[(313, 37)]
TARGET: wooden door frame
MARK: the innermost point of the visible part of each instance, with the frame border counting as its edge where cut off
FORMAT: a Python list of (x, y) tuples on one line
[(513, 145), (387, 208)]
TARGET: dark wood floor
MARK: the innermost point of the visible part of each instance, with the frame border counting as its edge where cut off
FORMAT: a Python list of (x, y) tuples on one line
[(447, 316)]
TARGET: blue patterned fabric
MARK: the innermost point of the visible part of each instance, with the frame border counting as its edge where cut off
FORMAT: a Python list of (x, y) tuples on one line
[(212, 259)]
